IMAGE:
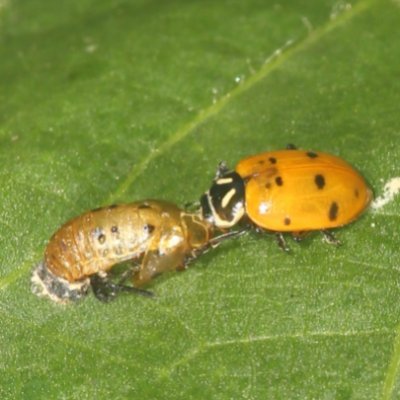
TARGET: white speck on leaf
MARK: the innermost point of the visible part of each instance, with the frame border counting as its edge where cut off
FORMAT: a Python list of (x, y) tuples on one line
[(339, 8), (239, 79), (90, 46), (390, 190)]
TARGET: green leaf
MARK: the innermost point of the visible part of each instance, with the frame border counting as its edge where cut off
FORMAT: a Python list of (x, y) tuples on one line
[(116, 101)]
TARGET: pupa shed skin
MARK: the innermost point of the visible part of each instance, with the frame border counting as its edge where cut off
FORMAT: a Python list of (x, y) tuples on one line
[(155, 234)]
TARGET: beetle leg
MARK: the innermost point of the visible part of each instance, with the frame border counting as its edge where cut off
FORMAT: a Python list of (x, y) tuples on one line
[(132, 289), (282, 242), (212, 244), (217, 240), (299, 236), (330, 238), (222, 170), (279, 238), (105, 290)]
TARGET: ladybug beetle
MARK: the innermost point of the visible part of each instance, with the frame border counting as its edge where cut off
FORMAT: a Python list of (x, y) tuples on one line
[(156, 235), (288, 190)]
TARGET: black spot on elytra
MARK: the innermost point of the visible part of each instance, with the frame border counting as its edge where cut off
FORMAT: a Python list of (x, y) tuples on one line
[(319, 181), (143, 206), (261, 162), (272, 160), (279, 180), (101, 238), (333, 211), (287, 221), (311, 154), (356, 193), (149, 228), (114, 229), (268, 185)]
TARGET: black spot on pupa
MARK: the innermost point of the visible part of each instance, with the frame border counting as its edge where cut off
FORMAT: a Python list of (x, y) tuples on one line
[(319, 181), (311, 154), (101, 238), (98, 234), (279, 180), (261, 162), (333, 211), (149, 228), (272, 160), (143, 206), (268, 185), (356, 193), (287, 221), (114, 229)]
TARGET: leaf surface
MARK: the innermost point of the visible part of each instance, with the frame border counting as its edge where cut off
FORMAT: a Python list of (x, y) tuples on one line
[(105, 102)]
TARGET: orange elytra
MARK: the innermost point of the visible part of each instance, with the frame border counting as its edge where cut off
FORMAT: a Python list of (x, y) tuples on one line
[(287, 191)]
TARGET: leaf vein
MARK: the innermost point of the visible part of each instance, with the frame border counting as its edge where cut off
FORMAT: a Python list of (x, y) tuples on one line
[(276, 59), (191, 354), (393, 368)]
